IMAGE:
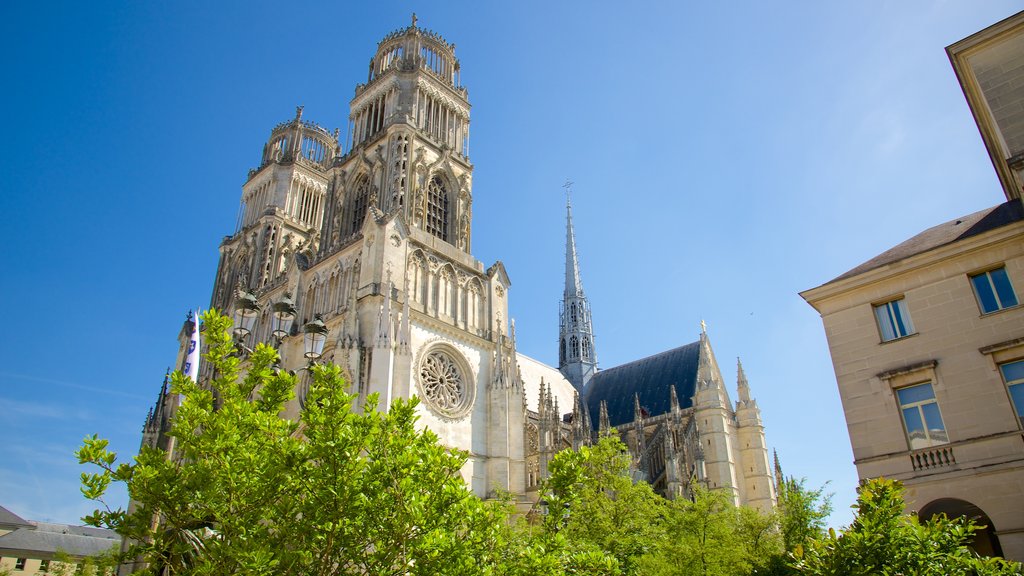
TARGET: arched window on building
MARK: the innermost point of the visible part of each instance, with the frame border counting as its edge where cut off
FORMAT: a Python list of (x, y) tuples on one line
[(561, 352), (360, 201), (437, 208)]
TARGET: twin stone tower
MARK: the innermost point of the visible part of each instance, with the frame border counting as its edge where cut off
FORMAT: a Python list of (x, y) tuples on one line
[(373, 233)]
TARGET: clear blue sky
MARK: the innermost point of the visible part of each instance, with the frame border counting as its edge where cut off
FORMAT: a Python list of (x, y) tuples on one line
[(726, 156)]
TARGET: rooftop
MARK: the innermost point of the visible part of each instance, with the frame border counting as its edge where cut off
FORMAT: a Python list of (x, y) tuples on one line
[(649, 378), (943, 234)]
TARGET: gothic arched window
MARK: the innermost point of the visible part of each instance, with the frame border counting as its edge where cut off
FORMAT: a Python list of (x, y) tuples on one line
[(561, 352), (437, 209), (360, 200), (574, 347)]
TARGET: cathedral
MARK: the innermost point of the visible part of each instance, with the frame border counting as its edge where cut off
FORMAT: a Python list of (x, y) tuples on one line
[(365, 241)]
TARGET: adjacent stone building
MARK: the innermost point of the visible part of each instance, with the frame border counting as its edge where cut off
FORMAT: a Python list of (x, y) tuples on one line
[(41, 548), (371, 234), (927, 338)]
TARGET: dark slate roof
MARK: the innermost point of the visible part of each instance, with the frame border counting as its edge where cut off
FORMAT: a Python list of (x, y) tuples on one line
[(650, 378), (49, 538), (10, 519), (946, 233)]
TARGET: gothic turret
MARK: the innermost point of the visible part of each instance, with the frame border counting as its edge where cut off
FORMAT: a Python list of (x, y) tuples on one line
[(577, 358), (282, 209), (758, 484)]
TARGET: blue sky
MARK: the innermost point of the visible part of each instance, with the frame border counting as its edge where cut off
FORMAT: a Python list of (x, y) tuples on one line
[(726, 156)]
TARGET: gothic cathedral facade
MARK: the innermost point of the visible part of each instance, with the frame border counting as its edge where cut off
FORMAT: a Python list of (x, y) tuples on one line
[(373, 236)]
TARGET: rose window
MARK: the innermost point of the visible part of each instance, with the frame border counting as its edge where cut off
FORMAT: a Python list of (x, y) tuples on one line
[(444, 386)]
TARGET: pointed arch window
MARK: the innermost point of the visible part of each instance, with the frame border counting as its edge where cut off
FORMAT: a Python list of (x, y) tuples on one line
[(561, 352), (437, 208), (360, 201)]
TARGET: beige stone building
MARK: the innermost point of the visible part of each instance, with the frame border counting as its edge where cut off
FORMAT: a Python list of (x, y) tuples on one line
[(927, 338), (42, 548), (368, 236)]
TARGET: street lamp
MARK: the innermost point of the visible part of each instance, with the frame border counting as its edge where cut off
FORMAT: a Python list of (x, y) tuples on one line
[(246, 311), (282, 317), (315, 338)]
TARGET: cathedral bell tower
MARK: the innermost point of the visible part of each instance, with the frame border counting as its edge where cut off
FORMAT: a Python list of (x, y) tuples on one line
[(408, 143), (577, 359), (281, 211)]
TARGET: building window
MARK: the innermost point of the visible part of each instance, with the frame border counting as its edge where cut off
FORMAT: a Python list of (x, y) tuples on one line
[(437, 209), (921, 418), (44, 566), (19, 564), (360, 201), (1013, 375), (993, 290), (893, 319)]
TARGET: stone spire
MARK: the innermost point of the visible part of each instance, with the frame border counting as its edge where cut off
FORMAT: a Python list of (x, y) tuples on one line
[(577, 358), (405, 330), (501, 377), (573, 284), (383, 336), (742, 387), (779, 478), (710, 389)]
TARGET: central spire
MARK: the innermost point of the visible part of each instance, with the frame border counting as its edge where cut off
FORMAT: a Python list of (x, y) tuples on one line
[(577, 359), (573, 284)]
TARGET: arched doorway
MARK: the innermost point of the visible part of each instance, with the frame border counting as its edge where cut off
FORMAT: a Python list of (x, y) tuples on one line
[(985, 540)]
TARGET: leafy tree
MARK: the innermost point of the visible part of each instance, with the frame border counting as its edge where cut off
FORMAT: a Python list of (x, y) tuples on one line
[(802, 513), (884, 540), (65, 564), (339, 491), (604, 522), (709, 536)]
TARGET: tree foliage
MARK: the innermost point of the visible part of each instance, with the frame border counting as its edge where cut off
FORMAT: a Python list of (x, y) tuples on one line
[(339, 491), (884, 540), (593, 503), (344, 490), (802, 513)]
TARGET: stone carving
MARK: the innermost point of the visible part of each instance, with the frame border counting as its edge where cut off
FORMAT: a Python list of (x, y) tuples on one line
[(444, 384)]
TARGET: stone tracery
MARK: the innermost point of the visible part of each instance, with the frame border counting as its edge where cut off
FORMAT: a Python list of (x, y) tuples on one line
[(444, 384)]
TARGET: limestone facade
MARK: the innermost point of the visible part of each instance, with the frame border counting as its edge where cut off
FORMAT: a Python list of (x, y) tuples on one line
[(974, 451), (927, 340), (374, 237)]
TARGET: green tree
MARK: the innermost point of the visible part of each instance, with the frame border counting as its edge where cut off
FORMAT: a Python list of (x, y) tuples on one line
[(598, 520), (884, 540), (802, 513), (65, 564), (709, 536), (339, 491)]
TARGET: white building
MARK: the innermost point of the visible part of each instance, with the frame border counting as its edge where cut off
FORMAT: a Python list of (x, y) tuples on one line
[(374, 237)]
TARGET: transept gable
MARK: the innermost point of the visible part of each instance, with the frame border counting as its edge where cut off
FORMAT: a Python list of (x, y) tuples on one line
[(497, 272)]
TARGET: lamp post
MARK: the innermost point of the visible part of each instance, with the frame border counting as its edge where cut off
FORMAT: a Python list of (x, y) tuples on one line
[(246, 311), (315, 338), (282, 317)]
